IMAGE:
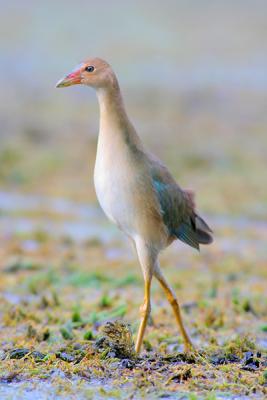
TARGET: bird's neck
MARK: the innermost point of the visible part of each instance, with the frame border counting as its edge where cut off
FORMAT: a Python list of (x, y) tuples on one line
[(114, 123)]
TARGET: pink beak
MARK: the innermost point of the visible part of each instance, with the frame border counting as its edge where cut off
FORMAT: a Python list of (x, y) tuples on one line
[(73, 78)]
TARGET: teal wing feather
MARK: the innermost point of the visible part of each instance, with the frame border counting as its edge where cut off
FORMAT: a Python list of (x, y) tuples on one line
[(178, 209), (177, 215)]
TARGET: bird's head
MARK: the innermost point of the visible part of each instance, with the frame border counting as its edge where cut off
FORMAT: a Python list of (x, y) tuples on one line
[(93, 72)]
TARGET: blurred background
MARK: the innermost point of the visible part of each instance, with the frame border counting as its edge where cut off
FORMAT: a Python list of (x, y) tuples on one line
[(195, 84), (194, 78)]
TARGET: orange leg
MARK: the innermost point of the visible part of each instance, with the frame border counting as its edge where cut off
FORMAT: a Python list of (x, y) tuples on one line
[(144, 311), (175, 306), (147, 261)]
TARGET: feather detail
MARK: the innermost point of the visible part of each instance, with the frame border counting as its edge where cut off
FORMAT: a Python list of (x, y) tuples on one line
[(190, 197), (203, 231), (201, 224), (187, 235)]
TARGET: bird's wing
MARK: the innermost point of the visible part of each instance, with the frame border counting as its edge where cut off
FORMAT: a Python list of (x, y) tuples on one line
[(178, 207)]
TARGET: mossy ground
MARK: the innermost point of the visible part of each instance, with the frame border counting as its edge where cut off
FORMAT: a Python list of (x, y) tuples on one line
[(57, 294)]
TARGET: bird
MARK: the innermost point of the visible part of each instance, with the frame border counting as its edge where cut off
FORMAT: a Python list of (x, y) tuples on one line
[(136, 190)]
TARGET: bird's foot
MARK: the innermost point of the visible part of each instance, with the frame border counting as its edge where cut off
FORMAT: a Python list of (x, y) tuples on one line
[(189, 347)]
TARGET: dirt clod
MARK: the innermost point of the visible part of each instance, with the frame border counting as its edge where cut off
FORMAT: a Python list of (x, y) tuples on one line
[(117, 340)]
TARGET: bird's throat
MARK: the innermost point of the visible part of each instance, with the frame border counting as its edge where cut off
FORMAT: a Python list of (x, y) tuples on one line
[(117, 136), (112, 111)]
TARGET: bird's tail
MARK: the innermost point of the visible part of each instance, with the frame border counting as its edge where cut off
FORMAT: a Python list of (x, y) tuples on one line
[(195, 230), (203, 231), (195, 233)]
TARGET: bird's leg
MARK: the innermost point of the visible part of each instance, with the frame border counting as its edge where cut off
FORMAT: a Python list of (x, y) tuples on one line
[(175, 306), (144, 311), (146, 258)]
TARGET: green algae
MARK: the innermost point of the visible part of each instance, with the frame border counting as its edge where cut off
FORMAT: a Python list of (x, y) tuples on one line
[(66, 332), (88, 335)]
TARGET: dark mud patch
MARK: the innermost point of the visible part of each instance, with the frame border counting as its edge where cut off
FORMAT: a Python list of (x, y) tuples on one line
[(16, 354)]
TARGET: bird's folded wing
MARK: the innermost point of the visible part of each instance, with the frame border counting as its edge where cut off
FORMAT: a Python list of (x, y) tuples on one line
[(176, 204)]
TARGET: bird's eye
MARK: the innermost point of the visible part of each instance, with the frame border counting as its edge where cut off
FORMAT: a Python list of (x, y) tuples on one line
[(90, 68)]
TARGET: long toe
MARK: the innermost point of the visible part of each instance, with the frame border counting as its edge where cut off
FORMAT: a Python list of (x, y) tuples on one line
[(189, 347)]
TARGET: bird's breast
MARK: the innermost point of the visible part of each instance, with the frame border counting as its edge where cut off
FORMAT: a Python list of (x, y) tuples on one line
[(114, 181), (125, 192)]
